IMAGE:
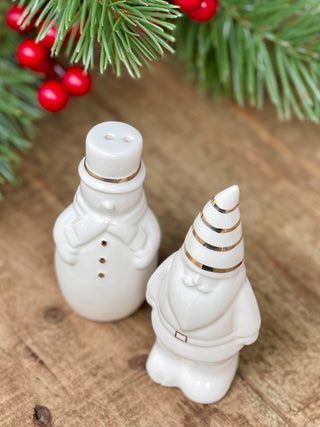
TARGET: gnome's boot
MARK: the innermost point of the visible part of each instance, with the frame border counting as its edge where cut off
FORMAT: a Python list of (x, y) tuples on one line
[(206, 382), (163, 366)]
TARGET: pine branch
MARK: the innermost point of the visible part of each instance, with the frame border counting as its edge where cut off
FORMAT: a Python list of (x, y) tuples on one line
[(128, 32), (251, 47), (18, 106)]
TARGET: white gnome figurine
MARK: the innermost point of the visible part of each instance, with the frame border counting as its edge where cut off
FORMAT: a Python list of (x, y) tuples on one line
[(203, 307), (107, 240)]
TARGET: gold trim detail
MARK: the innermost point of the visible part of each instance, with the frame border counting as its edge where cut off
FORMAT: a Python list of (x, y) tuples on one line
[(112, 180), (214, 204), (207, 267), (179, 336), (218, 230), (214, 248)]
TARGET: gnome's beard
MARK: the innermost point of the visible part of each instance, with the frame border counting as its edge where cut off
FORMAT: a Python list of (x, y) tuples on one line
[(194, 308)]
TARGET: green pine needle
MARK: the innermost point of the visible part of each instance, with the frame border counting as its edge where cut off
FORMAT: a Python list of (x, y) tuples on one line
[(127, 32), (255, 46), (250, 48), (18, 106)]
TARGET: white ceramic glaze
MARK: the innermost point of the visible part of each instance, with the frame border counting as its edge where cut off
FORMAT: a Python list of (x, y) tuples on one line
[(107, 240), (203, 307)]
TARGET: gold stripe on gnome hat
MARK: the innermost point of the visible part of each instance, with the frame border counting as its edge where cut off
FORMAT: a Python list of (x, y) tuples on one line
[(214, 241)]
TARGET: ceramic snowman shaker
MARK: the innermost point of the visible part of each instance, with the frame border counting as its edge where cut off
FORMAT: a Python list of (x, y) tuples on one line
[(107, 240), (203, 307)]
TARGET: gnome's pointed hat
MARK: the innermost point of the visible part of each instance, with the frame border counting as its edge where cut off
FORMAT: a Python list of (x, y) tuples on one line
[(214, 241)]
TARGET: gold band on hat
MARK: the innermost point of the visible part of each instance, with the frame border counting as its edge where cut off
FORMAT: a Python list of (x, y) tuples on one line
[(209, 268), (112, 180), (214, 204), (212, 247), (219, 230)]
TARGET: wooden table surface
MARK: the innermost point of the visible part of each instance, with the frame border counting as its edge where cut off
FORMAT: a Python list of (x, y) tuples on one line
[(90, 374)]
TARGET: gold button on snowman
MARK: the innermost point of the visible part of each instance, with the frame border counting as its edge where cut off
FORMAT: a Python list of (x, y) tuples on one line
[(107, 240)]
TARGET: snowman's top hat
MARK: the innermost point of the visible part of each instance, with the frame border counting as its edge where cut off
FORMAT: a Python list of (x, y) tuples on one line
[(214, 241), (113, 158)]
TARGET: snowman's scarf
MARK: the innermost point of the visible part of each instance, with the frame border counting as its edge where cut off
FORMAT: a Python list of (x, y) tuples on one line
[(88, 224)]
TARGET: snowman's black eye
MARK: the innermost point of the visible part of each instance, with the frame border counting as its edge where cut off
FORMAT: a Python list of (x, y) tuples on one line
[(109, 137), (127, 138)]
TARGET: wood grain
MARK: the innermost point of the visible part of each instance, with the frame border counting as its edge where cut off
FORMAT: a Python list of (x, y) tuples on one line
[(90, 374)]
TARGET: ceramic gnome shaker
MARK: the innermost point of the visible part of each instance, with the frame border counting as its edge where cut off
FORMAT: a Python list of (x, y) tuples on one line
[(203, 307), (107, 240)]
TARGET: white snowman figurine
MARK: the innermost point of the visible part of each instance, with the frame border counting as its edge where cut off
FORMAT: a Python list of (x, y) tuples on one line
[(203, 307), (107, 240)]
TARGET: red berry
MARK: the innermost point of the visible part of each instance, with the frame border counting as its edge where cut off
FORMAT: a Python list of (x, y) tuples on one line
[(30, 54), (187, 5), (13, 17), (49, 38), (76, 81), (52, 96), (205, 11)]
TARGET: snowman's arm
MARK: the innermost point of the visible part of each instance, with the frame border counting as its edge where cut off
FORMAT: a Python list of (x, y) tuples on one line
[(246, 319), (157, 280), (64, 249), (62, 223), (147, 240), (71, 231), (246, 323)]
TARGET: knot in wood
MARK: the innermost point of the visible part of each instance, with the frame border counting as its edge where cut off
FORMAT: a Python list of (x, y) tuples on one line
[(41, 416)]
